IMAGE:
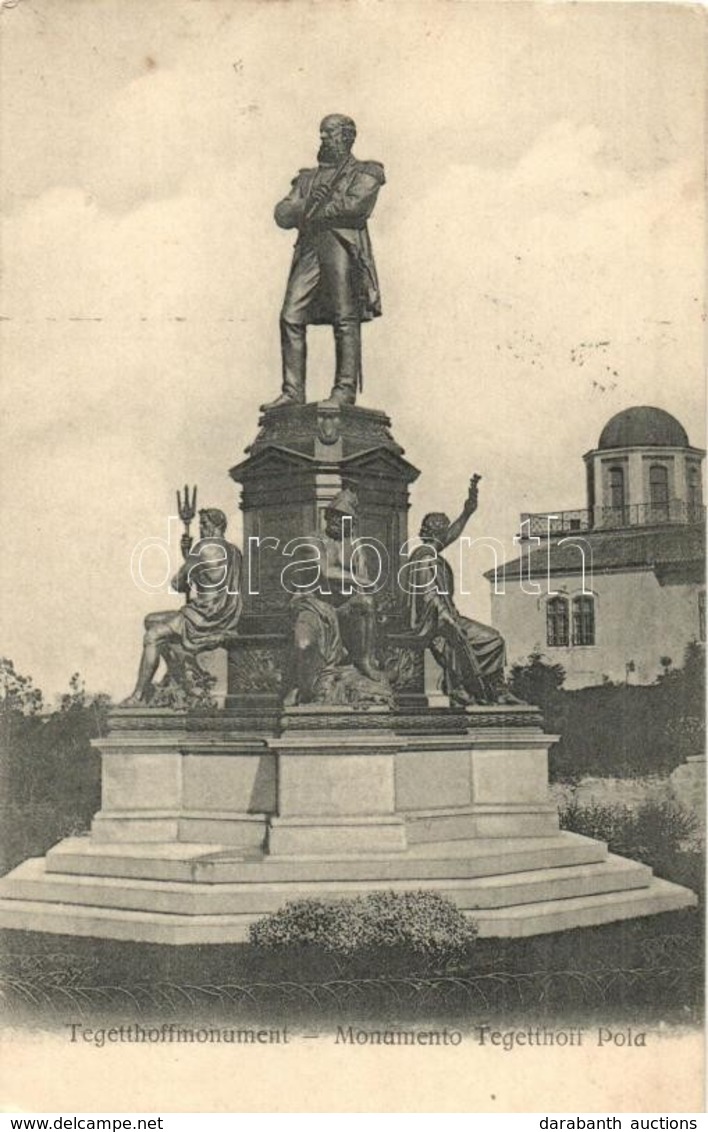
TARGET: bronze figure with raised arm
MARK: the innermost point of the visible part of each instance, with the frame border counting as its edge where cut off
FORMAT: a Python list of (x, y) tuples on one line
[(470, 653)]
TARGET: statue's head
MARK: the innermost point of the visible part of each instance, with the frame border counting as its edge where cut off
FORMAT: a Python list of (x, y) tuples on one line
[(434, 527), (212, 522), (337, 135)]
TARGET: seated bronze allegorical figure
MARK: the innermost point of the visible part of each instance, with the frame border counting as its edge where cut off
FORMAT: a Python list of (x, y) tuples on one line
[(471, 654), (210, 577), (333, 657)]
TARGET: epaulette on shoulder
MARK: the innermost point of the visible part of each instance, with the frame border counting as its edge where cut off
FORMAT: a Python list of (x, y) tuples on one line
[(300, 173), (373, 169)]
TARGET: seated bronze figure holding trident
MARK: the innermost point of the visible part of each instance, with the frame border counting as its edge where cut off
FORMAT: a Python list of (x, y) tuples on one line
[(210, 577)]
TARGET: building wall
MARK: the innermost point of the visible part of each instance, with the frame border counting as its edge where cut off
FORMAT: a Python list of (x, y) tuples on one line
[(636, 619)]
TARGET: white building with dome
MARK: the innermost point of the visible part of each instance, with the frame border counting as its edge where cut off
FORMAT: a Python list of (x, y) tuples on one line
[(613, 589)]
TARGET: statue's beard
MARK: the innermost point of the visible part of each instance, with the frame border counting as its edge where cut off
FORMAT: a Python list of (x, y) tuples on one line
[(332, 153)]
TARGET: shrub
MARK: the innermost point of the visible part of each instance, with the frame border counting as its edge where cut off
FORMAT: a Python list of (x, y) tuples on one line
[(655, 833), (538, 681), (421, 922), (618, 729)]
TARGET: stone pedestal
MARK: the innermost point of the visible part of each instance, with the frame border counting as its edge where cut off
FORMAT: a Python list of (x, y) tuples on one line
[(299, 461), (493, 782), (162, 781), (333, 781), (335, 804), (204, 827)]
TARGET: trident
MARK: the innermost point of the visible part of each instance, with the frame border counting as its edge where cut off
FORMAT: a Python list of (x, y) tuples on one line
[(187, 510)]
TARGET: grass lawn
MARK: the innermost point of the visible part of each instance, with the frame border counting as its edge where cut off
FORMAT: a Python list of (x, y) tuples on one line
[(641, 971)]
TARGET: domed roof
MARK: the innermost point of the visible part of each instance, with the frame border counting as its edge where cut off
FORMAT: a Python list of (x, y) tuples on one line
[(643, 426)]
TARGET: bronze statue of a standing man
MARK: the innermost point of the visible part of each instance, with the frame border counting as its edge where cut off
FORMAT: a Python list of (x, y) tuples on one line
[(333, 275)]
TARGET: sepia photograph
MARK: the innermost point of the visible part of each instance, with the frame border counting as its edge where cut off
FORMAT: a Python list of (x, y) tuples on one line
[(352, 663)]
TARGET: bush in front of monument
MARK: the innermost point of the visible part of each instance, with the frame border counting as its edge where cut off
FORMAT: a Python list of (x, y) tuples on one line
[(420, 922), (661, 834)]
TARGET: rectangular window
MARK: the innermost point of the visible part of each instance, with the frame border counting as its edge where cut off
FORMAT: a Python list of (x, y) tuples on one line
[(702, 615), (659, 493), (695, 508), (617, 514), (557, 622), (584, 621)]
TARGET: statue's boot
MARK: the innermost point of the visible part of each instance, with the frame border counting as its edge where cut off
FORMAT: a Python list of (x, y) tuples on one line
[(337, 398), (347, 342), (460, 697), (293, 348), (281, 401)]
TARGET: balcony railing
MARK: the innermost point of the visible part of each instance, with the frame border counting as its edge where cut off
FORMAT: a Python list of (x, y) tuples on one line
[(544, 523)]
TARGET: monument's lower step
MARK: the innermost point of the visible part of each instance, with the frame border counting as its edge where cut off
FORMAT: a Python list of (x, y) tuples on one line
[(199, 895), (584, 911), (31, 882), (169, 928)]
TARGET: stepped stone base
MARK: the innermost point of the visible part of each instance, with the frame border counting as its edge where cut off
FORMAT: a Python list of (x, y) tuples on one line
[(204, 828), (185, 894)]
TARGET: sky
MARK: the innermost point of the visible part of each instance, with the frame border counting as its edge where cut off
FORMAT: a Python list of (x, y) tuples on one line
[(540, 243)]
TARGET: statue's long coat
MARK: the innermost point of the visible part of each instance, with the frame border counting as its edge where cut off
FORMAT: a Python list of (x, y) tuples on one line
[(342, 219)]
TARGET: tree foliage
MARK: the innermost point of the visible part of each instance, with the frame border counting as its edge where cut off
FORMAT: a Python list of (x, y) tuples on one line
[(17, 693), (538, 681), (618, 729), (49, 772)]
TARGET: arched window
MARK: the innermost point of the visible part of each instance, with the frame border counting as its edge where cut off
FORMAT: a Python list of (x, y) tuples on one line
[(659, 493), (584, 620), (557, 622)]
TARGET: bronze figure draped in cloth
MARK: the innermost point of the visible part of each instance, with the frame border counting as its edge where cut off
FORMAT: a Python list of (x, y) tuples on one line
[(210, 576), (334, 622), (470, 654), (333, 275)]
